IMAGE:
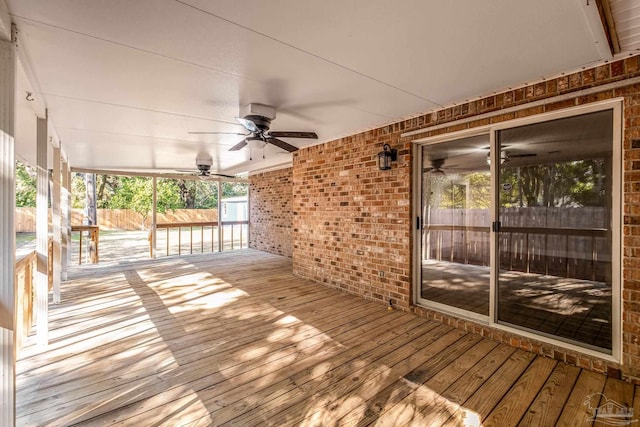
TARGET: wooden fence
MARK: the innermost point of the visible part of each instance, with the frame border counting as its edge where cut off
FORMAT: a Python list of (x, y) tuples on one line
[(119, 219), (567, 242)]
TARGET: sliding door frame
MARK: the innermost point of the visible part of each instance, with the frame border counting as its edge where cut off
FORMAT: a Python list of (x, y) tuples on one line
[(616, 106)]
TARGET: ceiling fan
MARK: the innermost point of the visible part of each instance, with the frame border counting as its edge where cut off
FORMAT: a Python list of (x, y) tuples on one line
[(203, 165), (257, 120), (437, 167)]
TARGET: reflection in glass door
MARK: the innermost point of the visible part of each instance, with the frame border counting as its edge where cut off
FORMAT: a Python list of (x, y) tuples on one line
[(456, 219), (555, 229)]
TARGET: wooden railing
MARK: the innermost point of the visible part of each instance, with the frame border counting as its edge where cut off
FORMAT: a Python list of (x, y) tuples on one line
[(25, 290), (25, 270), (214, 241), (239, 225), (568, 252), (94, 236), (168, 226)]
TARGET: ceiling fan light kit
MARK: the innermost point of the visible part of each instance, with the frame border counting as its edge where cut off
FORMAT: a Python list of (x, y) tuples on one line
[(257, 120)]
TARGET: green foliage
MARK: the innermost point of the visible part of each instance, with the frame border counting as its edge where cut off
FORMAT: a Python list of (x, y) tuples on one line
[(26, 186), (469, 191), (234, 189), (131, 193), (78, 189), (119, 192), (573, 183), (453, 196), (480, 190)]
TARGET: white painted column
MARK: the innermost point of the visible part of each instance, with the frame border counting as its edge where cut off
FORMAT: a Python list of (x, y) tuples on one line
[(65, 207), (7, 234), (42, 235), (220, 244), (69, 219), (57, 223), (154, 218)]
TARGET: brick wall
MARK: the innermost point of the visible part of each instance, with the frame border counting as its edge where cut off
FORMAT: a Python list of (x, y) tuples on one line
[(270, 212), (351, 220), (352, 223)]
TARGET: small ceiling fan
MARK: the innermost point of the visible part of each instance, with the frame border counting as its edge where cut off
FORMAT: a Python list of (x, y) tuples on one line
[(436, 167), (257, 120), (203, 165)]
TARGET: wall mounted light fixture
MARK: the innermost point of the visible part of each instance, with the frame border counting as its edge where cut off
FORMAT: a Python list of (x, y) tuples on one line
[(386, 156)]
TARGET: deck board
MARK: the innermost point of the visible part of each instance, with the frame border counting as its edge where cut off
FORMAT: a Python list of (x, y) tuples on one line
[(235, 339)]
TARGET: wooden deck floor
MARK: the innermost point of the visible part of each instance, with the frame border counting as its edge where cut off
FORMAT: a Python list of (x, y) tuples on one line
[(236, 339)]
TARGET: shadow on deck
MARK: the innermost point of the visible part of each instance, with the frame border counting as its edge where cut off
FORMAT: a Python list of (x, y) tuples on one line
[(234, 338)]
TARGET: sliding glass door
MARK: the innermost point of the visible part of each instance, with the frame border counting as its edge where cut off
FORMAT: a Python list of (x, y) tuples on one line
[(456, 200), (554, 242), (519, 227)]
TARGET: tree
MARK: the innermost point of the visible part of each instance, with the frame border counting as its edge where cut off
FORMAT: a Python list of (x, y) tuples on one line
[(234, 189), (78, 190), (26, 185), (572, 183), (133, 193)]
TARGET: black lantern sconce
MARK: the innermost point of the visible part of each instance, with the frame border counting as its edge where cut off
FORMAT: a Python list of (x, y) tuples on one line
[(386, 156)]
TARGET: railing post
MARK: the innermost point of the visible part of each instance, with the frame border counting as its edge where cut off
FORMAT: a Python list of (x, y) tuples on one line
[(154, 217), (80, 249), (526, 243), (179, 240), (191, 240), (594, 258)]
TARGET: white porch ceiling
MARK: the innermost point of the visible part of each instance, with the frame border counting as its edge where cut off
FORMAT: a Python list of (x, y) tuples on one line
[(125, 81)]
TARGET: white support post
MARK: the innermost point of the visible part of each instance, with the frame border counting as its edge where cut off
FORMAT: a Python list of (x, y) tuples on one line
[(69, 218), (42, 235), (154, 218), (7, 234), (65, 207), (57, 224), (220, 234)]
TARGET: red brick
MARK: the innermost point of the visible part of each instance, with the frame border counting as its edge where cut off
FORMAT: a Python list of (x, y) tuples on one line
[(341, 204)]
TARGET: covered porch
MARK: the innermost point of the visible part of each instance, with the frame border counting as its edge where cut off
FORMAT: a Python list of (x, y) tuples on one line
[(236, 338)]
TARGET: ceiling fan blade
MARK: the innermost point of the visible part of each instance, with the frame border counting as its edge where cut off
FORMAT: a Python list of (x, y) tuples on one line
[(281, 144), (512, 156), (217, 133), (239, 145), (293, 134), (248, 124), (222, 175)]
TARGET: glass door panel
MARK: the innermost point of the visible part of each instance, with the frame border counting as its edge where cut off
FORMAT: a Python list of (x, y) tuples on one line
[(456, 220), (554, 240)]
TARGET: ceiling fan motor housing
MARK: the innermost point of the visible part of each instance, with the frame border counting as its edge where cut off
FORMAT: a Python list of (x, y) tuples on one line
[(259, 110), (261, 122), (204, 164)]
